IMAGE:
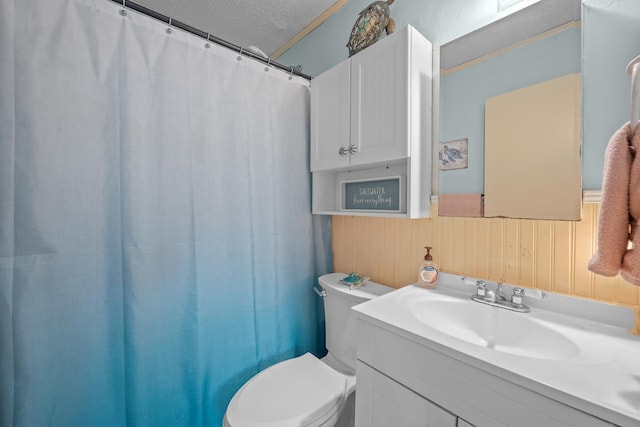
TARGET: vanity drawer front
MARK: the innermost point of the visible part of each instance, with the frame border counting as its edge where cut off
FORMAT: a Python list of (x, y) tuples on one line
[(382, 402), (480, 397)]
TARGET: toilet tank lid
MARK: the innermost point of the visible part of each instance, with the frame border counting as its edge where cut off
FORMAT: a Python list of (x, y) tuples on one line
[(370, 290)]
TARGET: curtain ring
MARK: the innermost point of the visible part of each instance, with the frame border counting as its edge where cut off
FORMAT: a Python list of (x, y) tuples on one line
[(207, 44), (240, 56), (291, 74), (169, 30), (268, 64), (123, 11)]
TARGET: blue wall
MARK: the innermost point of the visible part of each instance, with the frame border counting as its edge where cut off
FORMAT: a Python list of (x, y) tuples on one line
[(610, 40), (610, 33), (440, 21)]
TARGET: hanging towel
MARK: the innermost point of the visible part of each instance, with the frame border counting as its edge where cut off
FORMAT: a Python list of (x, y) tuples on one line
[(619, 209), (630, 270)]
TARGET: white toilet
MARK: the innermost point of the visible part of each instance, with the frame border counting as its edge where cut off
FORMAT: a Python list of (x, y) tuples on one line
[(306, 391)]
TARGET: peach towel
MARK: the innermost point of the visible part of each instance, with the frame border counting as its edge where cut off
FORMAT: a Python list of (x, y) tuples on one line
[(619, 209)]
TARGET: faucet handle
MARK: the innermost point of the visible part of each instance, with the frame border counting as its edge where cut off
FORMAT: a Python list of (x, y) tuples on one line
[(518, 295), (481, 285), (481, 288)]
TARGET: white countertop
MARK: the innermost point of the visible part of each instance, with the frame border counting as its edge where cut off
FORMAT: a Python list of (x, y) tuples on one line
[(602, 379)]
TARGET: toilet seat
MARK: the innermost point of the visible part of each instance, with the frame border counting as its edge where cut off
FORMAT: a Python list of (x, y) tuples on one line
[(302, 391)]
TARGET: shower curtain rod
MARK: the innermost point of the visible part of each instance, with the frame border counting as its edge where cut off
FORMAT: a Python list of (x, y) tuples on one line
[(207, 36)]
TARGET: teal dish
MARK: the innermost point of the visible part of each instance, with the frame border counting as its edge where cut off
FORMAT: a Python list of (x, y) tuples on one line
[(352, 278)]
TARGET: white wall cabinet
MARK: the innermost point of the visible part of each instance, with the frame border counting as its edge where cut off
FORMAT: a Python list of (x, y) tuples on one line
[(330, 118), (372, 113), (380, 99)]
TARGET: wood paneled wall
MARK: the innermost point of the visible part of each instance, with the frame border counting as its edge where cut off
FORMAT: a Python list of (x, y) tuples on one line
[(549, 255)]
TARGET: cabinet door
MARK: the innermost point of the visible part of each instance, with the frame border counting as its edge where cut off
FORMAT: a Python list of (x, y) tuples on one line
[(380, 101), (330, 115), (382, 402)]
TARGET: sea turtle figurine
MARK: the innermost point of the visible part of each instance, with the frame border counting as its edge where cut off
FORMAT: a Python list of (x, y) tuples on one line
[(371, 22)]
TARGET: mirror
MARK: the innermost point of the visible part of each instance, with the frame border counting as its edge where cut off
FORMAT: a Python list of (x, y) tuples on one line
[(518, 54), (532, 150)]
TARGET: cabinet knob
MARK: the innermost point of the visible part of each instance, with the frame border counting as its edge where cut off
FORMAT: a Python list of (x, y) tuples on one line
[(343, 151), (353, 149)]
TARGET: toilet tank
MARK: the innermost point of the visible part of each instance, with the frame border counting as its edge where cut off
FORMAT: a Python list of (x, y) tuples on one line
[(340, 323)]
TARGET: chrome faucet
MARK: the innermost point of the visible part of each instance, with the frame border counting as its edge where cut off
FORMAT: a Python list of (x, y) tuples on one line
[(496, 296)]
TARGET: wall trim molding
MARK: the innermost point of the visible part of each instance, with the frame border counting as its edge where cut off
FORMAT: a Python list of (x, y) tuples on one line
[(312, 26), (517, 45), (591, 196)]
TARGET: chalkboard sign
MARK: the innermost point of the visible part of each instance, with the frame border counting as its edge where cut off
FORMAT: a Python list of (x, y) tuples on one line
[(381, 195)]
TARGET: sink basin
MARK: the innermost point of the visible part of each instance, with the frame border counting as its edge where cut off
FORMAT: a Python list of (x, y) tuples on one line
[(495, 328)]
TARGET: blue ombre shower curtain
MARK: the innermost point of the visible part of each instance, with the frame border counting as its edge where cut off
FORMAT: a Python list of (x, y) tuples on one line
[(156, 242)]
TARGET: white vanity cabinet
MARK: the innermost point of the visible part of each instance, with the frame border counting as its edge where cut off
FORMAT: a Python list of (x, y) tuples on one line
[(382, 402), (372, 113), (405, 384)]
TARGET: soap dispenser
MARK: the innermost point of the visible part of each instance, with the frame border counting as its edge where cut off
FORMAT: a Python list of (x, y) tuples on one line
[(428, 272)]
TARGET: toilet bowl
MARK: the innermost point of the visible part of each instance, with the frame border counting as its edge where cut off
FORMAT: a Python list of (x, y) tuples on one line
[(297, 392), (307, 391)]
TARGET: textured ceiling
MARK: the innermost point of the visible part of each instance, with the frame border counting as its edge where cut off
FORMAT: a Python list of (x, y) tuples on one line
[(266, 24), (519, 26)]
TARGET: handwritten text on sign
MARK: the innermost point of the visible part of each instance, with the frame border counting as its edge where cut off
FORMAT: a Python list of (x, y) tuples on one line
[(381, 195)]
